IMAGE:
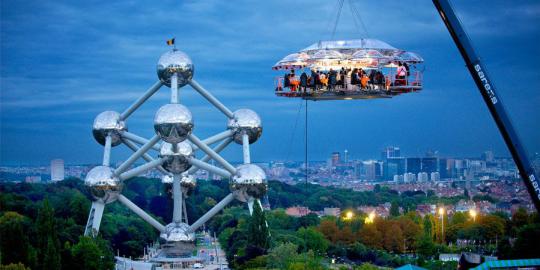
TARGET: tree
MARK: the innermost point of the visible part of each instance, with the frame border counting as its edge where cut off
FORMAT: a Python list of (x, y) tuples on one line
[(48, 244), (370, 236), (313, 240), (458, 218), (310, 219), (257, 229), (428, 225), (366, 266), (525, 246), (394, 209), (520, 218), (92, 254), (393, 238), (282, 255), (14, 246), (329, 229), (13, 266), (411, 231), (425, 246)]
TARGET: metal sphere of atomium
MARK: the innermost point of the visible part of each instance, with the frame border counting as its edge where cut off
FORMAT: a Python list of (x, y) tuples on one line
[(177, 232), (245, 121), (188, 183), (108, 122), (173, 123), (175, 62), (103, 184), (177, 160), (249, 182)]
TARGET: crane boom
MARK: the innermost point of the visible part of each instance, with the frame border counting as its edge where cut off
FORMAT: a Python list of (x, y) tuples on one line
[(492, 100)]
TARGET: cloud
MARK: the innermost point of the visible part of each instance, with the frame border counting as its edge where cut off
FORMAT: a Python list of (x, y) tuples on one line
[(65, 61)]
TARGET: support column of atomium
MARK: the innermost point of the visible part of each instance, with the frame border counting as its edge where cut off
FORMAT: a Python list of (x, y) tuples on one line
[(173, 123)]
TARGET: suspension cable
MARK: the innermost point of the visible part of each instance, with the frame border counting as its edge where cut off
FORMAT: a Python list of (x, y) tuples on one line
[(356, 26), (356, 14), (337, 17), (306, 176)]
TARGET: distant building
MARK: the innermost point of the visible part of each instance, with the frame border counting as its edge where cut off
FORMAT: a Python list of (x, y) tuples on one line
[(429, 164), (33, 179), (488, 156), (409, 177), (390, 152), (422, 177), (464, 206), (370, 169), (346, 156), (435, 176), (57, 170), (394, 166), (297, 211), (335, 158), (332, 211), (414, 165), (444, 169), (449, 257)]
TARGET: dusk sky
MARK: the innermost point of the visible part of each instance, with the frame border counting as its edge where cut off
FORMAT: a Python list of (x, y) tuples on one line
[(64, 62)]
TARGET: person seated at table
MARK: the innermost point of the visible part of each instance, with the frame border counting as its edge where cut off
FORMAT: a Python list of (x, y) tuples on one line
[(379, 80), (364, 82), (361, 72), (372, 74), (401, 73), (339, 77), (303, 82), (293, 81), (286, 80), (323, 79), (332, 79), (354, 77), (313, 79)]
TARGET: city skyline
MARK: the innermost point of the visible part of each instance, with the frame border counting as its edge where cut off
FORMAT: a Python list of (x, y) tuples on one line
[(78, 67)]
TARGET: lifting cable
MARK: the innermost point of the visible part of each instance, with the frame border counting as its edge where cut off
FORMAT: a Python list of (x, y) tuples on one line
[(340, 7), (356, 15), (306, 174)]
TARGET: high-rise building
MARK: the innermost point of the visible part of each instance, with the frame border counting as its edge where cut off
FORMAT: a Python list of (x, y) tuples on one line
[(335, 158), (444, 170), (390, 152), (414, 165), (488, 156), (393, 166), (429, 164), (57, 170), (370, 169), (346, 156)]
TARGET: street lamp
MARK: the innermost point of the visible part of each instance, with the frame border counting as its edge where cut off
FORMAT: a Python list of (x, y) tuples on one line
[(370, 218), (349, 215), (441, 214), (473, 213)]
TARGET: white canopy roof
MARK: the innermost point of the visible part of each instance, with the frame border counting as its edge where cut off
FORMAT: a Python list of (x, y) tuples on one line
[(327, 55), (364, 43)]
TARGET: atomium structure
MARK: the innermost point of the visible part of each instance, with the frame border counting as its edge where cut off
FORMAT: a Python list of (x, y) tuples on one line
[(176, 146)]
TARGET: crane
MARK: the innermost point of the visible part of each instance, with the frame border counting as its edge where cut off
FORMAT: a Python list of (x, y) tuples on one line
[(489, 95)]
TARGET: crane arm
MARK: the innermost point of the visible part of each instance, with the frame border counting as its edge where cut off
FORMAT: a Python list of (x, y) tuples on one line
[(490, 97)]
